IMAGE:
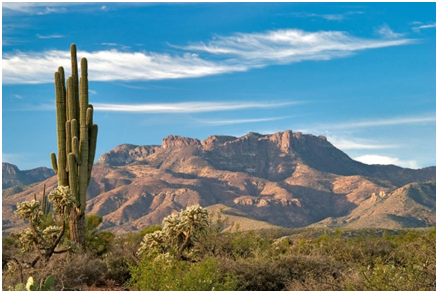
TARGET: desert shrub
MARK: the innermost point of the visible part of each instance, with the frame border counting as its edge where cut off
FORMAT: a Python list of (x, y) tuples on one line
[(287, 272), (166, 273), (97, 242), (72, 272), (119, 258), (411, 265)]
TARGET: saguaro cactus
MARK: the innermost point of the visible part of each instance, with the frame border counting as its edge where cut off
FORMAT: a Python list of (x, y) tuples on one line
[(77, 136)]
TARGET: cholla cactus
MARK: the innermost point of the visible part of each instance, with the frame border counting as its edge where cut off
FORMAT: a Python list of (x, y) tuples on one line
[(179, 233), (44, 240), (62, 199), (29, 210), (153, 242), (27, 239)]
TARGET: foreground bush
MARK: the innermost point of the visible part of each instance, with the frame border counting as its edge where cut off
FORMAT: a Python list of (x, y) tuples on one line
[(170, 274)]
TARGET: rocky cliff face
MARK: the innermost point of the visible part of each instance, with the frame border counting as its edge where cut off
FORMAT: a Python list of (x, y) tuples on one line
[(283, 179), (125, 154), (12, 176), (179, 141)]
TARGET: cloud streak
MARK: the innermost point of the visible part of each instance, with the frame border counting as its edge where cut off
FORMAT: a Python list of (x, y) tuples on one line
[(385, 160), (290, 45), (347, 144), (49, 36), (338, 16), (423, 26), (32, 68), (382, 122), (240, 121), (188, 107), (236, 53)]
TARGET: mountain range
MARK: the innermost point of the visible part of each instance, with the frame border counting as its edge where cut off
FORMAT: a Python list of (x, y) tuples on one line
[(284, 179)]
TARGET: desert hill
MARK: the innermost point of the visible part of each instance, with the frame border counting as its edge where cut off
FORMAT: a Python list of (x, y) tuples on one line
[(285, 179), (12, 176)]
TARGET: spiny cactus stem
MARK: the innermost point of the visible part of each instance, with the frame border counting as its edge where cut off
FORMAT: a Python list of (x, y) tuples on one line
[(61, 120), (54, 163)]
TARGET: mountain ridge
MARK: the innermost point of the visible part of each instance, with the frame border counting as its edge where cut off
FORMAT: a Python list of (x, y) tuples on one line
[(283, 179)]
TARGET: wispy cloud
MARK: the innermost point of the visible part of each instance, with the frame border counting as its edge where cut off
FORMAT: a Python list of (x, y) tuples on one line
[(188, 107), (348, 144), (240, 121), (336, 16), (422, 26), (386, 32), (290, 45), (381, 122), (236, 53), (31, 68), (50, 36), (385, 160)]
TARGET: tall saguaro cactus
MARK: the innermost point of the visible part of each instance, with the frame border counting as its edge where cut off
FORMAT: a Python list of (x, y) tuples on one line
[(77, 136)]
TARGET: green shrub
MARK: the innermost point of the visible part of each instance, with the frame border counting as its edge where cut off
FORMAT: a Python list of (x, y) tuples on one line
[(166, 273), (98, 242)]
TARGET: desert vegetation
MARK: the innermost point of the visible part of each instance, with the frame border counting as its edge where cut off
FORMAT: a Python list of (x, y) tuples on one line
[(192, 251)]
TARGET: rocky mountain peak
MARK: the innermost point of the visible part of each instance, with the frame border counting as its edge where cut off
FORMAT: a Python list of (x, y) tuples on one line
[(179, 141), (9, 169)]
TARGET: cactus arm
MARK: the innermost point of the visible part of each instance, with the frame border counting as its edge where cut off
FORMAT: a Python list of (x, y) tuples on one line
[(74, 128), (72, 175), (92, 150), (83, 139), (62, 80), (68, 140), (76, 151), (54, 163), (72, 99), (75, 77), (61, 120), (89, 116)]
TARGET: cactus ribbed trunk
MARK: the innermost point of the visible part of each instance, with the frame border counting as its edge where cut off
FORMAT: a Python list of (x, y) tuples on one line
[(77, 136)]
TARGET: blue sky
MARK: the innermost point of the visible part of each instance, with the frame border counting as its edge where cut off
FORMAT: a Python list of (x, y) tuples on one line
[(362, 74)]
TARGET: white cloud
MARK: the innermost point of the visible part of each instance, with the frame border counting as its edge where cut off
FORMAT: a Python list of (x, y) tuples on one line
[(49, 36), (240, 121), (382, 122), (384, 160), (290, 45), (31, 68), (423, 26), (386, 32), (338, 16), (348, 144), (187, 107), (240, 52)]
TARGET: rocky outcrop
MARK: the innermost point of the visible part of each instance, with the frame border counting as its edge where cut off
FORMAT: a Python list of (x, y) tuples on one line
[(178, 141), (216, 140), (12, 176), (126, 153)]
